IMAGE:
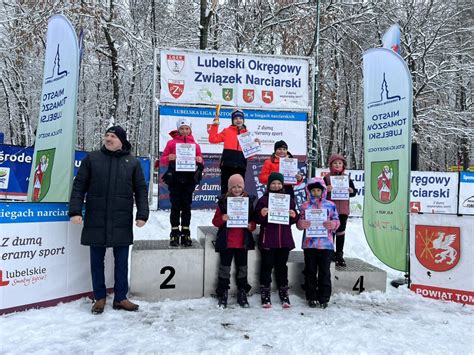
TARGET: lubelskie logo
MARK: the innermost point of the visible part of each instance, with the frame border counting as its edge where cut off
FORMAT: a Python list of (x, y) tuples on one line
[(3, 282), (248, 95), (57, 73), (385, 95), (438, 248)]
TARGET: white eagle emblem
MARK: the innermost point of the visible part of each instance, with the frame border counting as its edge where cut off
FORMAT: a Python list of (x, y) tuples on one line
[(444, 242)]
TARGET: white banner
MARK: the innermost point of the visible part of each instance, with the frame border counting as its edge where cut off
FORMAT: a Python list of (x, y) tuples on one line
[(430, 192), (234, 79), (441, 260), (268, 126), (52, 168), (43, 262), (466, 193)]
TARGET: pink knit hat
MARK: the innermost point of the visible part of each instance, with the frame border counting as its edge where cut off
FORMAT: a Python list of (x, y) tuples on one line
[(235, 180)]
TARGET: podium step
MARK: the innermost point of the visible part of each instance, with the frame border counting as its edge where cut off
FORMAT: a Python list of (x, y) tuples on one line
[(159, 271)]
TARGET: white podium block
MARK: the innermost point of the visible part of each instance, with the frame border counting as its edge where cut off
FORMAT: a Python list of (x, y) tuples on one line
[(207, 237), (160, 272), (357, 277)]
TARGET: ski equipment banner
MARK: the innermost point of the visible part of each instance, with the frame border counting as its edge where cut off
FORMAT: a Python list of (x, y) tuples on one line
[(52, 165), (387, 153)]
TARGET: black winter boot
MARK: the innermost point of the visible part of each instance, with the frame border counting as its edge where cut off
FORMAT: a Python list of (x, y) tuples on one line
[(265, 296), (174, 237), (284, 298), (186, 237), (340, 260), (242, 298), (222, 299)]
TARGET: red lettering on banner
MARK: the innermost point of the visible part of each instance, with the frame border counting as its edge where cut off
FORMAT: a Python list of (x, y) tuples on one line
[(445, 294)]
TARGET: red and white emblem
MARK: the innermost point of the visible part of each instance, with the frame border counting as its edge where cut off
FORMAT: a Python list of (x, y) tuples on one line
[(267, 96), (415, 206), (437, 248), (175, 63), (176, 88), (249, 95)]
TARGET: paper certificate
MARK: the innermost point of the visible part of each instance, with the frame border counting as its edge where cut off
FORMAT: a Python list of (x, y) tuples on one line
[(317, 217), (248, 144), (279, 208), (289, 169), (340, 187), (185, 157), (238, 212)]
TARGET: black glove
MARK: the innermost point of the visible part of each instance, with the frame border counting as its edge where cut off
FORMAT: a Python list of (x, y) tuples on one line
[(198, 173)]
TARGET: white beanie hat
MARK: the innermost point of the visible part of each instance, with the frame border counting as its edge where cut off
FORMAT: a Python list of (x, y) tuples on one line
[(183, 122)]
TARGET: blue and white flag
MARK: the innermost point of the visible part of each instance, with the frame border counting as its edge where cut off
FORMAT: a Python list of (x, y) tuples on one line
[(391, 38)]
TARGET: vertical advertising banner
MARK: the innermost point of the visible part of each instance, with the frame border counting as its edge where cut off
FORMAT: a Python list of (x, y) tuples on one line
[(234, 79), (387, 152), (52, 166)]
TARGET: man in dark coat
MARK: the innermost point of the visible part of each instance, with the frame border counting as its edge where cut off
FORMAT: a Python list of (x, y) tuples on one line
[(111, 177)]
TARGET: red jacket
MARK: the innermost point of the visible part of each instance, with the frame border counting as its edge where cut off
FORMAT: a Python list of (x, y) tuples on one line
[(271, 165), (232, 155)]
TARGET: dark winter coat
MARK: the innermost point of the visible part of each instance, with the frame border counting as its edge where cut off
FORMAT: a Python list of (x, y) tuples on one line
[(274, 235), (111, 180), (222, 233)]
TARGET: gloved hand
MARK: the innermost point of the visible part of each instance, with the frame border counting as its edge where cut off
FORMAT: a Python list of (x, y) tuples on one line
[(198, 173)]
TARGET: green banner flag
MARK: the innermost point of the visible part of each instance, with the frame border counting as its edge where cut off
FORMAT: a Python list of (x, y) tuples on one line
[(53, 159), (388, 102)]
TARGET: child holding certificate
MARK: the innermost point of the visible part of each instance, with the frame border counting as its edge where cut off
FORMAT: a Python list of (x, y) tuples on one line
[(340, 188), (183, 157), (233, 160), (282, 161), (275, 212), (318, 217), (233, 217)]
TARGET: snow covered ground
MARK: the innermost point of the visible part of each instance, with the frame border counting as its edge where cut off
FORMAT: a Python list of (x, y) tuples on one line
[(395, 322)]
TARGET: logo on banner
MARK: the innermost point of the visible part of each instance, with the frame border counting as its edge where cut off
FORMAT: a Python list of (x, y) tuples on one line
[(415, 206), (228, 94), (175, 63), (267, 96), (4, 177), (248, 95), (42, 177), (176, 88), (57, 73), (437, 248), (3, 282), (384, 177), (385, 96)]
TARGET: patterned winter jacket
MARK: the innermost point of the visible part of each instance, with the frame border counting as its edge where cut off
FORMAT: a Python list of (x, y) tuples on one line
[(320, 203)]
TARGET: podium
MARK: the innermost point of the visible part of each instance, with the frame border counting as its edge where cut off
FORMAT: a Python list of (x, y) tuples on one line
[(160, 272)]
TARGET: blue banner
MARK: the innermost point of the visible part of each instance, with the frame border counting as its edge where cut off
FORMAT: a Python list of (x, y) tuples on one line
[(15, 166)]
